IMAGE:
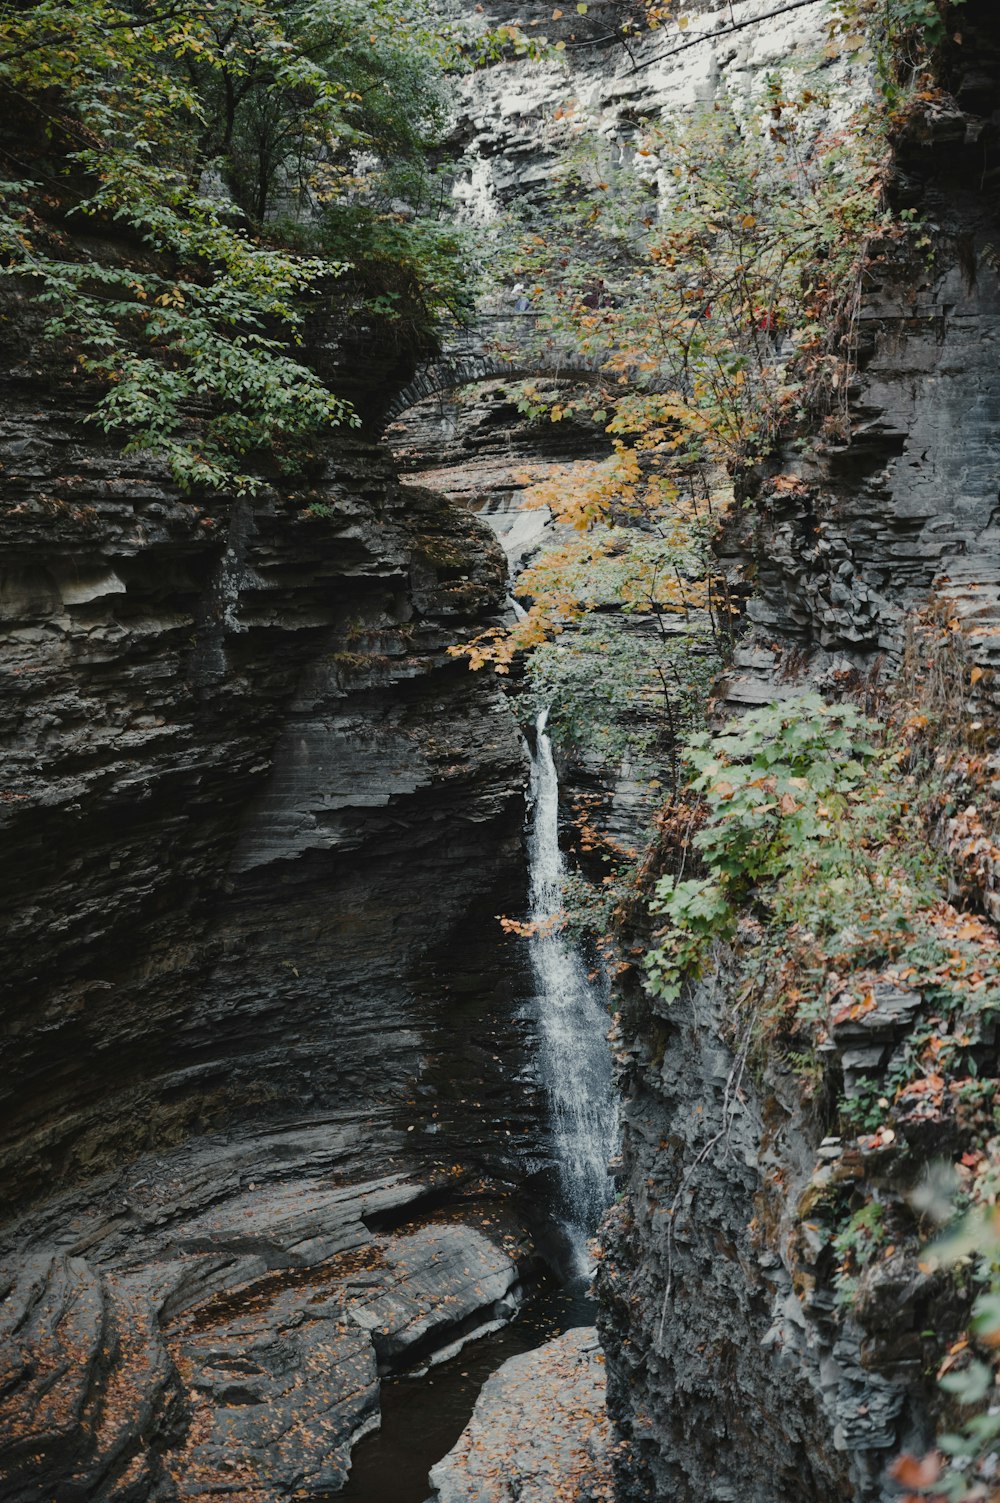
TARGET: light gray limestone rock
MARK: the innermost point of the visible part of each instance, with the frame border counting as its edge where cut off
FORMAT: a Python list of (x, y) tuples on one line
[(539, 1432)]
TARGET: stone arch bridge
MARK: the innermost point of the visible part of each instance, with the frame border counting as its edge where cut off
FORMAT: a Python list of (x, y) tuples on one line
[(498, 344)]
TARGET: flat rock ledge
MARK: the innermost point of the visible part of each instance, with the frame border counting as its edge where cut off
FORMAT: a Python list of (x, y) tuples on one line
[(539, 1432), (230, 1352)]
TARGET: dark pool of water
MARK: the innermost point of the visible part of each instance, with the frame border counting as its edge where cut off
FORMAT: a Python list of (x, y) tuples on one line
[(422, 1418)]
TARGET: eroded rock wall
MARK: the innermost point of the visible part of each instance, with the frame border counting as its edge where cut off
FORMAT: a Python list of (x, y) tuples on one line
[(734, 1372), (259, 1026), (244, 788)]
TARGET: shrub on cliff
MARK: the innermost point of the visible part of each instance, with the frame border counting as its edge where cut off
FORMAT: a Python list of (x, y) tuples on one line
[(778, 788)]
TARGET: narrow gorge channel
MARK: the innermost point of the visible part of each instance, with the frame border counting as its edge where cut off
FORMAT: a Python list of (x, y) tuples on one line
[(424, 1415), (500, 751)]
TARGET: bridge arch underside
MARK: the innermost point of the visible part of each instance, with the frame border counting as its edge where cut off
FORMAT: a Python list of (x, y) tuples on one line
[(449, 374), (460, 431)]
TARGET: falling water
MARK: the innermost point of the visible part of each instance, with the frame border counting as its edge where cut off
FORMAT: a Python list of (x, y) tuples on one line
[(575, 1058)]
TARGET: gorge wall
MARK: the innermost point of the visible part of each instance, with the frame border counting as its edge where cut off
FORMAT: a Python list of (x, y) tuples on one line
[(735, 1371), (256, 1020)]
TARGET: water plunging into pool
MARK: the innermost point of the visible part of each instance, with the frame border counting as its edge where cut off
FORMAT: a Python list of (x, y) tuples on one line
[(575, 1059), (423, 1418)]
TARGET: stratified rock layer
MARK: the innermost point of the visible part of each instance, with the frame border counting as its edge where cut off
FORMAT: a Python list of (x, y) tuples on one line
[(218, 1326), (731, 1375), (259, 1023), (733, 1371), (244, 789)]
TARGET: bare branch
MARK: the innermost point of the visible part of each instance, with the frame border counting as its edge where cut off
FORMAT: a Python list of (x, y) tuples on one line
[(725, 31)]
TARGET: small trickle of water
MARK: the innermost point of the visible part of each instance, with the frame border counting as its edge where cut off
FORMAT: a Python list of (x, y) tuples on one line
[(235, 577), (575, 1057)]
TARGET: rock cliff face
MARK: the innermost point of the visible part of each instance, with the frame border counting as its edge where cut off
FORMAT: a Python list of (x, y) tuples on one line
[(906, 507), (260, 1040), (723, 1380), (258, 1030), (507, 115), (730, 1372), (214, 722)]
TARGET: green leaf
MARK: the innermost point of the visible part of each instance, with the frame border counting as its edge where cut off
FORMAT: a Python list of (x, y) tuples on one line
[(986, 1314), (971, 1385)]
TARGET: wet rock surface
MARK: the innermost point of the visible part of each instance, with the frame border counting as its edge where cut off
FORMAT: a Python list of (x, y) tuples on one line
[(719, 1357), (235, 1349), (539, 1432), (477, 448)]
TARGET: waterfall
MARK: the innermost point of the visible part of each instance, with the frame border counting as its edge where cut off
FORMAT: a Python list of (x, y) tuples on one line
[(573, 1018)]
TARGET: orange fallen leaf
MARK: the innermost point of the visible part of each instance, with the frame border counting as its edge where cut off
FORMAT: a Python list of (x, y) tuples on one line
[(914, 1471)]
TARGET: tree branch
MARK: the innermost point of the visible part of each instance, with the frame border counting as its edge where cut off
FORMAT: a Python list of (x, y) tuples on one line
[(712, 36), (134, 24)]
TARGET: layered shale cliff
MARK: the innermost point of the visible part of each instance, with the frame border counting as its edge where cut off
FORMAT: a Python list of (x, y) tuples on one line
[(257, 1030), (737, 1370)]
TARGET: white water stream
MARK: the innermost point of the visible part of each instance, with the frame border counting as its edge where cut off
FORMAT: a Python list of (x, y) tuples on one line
[(575, 1056)]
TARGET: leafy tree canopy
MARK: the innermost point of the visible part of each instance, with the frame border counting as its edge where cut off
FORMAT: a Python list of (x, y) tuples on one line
[(256, 153)]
